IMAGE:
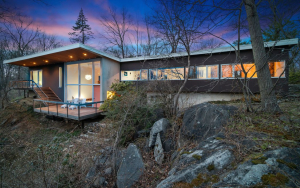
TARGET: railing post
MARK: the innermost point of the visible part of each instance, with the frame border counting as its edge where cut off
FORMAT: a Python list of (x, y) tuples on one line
[(48, 108), (56, 109), (67, 110), (33, 104), (78, 112), (40, 107)]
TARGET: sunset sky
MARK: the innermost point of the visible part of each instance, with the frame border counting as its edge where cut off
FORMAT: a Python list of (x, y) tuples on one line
[(58, 16)]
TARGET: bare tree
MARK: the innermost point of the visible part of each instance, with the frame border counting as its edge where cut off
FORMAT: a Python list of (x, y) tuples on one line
[(47, 42), (115, 31)]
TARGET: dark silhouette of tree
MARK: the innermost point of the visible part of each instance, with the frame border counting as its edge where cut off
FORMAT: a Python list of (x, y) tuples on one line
[(82, 31)]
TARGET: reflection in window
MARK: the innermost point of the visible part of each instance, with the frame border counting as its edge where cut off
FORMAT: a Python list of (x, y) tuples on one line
[(170, 73), (144, 74), (212, 71), (201, 72), (153, 74), (192, 73), (130, 75), (227, 71), (276, 68)]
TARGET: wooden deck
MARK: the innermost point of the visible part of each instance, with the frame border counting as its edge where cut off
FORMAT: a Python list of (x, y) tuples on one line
[(85, 112)]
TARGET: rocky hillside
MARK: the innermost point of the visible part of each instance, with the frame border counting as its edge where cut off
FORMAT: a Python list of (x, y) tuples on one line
[(207, 145)]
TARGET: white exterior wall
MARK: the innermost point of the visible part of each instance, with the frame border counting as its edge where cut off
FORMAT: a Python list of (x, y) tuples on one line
[(110, 71), (189, 99)]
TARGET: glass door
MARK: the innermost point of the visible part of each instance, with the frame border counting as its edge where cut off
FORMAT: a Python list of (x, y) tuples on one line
[(37, 77)]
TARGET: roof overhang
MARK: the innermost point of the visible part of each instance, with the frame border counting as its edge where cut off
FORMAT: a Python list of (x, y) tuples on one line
[(74, 52)]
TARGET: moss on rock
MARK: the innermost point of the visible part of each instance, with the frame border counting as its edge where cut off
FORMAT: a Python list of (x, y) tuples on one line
[(290, 165), (198, 157), (274, 179), (210, 167), (261, 160)]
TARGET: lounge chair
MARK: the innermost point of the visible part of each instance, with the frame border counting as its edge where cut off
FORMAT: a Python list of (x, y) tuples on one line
[(83, 102), (74, 102)]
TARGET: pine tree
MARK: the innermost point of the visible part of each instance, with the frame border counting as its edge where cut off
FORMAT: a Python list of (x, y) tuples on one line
[(82, 31)]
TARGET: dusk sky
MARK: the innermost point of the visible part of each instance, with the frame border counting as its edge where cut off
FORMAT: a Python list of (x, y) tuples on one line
[(58, 16)]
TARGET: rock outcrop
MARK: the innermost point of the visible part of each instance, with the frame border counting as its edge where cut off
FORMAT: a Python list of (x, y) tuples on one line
[(204, 120), (131, 168), (158, 127)]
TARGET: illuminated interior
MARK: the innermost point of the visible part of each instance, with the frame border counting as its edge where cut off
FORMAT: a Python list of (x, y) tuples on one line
[(236, 71), (81, 80)]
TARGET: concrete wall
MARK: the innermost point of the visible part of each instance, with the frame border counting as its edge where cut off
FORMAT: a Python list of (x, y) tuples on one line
[(110, 71), (189, 99)]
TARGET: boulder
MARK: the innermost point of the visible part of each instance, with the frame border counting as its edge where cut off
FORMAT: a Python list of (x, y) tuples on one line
[(204, 120), (158, 127), (158, 150), (169, 145), (208, 158), (131, 168), (284, 161), (91, 174), (100, 181)]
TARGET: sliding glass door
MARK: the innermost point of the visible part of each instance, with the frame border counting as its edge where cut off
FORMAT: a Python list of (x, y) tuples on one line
[(37, 77), (83, 81)]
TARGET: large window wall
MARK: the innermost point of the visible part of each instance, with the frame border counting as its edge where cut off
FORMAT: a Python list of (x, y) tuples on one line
[(83, 80)]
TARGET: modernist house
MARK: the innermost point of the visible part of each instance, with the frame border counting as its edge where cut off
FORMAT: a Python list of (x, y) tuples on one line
[(80, 71)]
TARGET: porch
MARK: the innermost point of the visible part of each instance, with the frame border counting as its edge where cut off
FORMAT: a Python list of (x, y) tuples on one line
[(80, 112)]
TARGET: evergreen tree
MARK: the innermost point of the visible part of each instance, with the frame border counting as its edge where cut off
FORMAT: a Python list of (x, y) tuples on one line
[(82, 31)]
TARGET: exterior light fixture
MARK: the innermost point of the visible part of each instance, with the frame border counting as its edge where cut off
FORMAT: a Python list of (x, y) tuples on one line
[(24, 64), (84, 54), (34, 63), (46, 61), (88, 77), (71, 56)]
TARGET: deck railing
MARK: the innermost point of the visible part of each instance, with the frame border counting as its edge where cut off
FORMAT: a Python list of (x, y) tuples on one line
[(27, 84), (90, 105)]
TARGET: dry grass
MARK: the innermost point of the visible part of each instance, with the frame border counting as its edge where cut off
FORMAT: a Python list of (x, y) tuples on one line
[(36, 151)]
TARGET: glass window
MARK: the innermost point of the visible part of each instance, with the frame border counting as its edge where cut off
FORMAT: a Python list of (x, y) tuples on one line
[(276, 68), (250, 69), (35, 77), (144, 74), (161, 75), (40, 78), (59, 76), (72, 74), (201, 72), (227, 71), (212, 71), (86, 92), (152, 74), (130, 75), (72, 92), (86, 73), (97, 76), (192, 73), (175, 73)]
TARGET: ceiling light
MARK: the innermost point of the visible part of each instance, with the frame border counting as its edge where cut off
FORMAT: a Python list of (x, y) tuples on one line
[(46, 61), (24, 64), (84, 54), (71, 56), (88, 77), (34, 63)]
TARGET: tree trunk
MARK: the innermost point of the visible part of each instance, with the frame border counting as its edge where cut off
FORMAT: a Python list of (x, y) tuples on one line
[(268, 97)]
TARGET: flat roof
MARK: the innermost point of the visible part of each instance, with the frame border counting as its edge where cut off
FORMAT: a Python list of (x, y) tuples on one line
[(286, 42), (62, 54)]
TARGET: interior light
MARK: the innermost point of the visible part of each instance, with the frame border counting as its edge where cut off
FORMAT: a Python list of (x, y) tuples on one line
[(88, 77)]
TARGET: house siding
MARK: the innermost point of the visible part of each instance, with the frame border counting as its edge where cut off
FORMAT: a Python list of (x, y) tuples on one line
[(51, 78)]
